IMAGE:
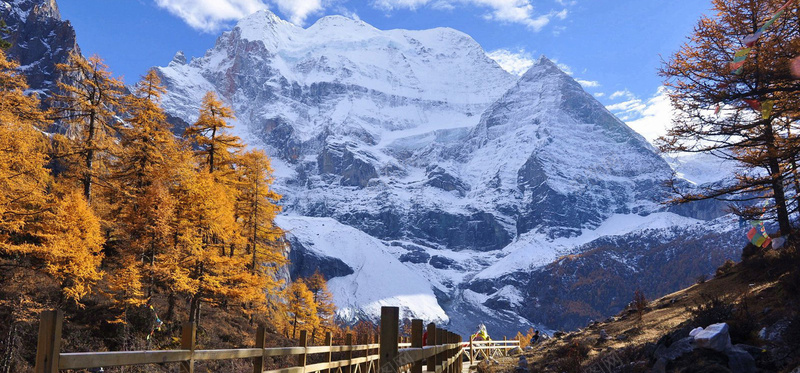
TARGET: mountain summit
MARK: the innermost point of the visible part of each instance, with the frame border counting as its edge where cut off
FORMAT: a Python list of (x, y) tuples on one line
[(39, 40), (414, 150)]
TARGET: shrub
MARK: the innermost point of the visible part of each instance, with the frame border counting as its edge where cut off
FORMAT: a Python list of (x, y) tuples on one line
[(572, 357), (701, 279), (749, 251), (743, 325), (639, 304), (725, 268), (711, 310)]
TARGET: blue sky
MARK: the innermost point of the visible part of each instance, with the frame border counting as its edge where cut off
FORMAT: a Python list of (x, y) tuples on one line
[(613, 47)]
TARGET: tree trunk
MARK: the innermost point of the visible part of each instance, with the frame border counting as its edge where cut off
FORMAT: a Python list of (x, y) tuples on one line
[(87, 178), (194, 310), (8, 354), (776, 177), (211, 151)]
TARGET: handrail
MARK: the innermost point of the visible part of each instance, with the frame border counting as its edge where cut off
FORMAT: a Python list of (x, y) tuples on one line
[(406, 357)]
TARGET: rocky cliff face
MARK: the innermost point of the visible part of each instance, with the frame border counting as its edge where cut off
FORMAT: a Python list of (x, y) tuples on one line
[(473, 179), (39, 40)]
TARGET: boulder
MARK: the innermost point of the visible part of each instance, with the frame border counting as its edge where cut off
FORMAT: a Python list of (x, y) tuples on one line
[(715, 337), (740, 361), (676, 349)]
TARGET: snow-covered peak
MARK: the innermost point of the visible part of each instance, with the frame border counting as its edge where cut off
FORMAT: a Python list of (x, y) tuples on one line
[(21, 9), (266, 27), (543, 66), (340, 23), (179, 58)]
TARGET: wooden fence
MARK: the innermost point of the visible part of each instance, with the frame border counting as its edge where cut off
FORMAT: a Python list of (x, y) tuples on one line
[(443, 355), (485, 350)]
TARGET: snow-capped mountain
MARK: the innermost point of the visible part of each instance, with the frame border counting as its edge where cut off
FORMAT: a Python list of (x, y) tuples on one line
[(416, 171)]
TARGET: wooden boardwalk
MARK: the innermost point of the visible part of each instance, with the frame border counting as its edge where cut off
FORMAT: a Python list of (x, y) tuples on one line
[(370, 354)]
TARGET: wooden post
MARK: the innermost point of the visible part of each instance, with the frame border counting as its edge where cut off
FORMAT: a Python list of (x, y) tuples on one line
[(452, 351), (439, 343), (471, 351), (301, 359), (261, 342), (430, 365), (390, 323), (48, 346), (329, 343), (460, 349), (416, 342), (505, 346), (348, 341), (188, 335), (363, 339)]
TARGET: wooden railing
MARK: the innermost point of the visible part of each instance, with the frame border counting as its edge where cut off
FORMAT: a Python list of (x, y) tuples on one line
[(485, 350), (444, 356)]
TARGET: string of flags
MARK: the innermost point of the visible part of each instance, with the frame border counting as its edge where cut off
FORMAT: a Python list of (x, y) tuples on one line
[(758, 234), (740, 57), (157, 325)]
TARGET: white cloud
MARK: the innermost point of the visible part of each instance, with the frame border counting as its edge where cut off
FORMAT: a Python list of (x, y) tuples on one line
[(512, 11), (516, 63), (213, 15), (298, 10), (624, 93), (588, 83), (650, 118), (599, 94), (210, 15), (655, 118), (562, 66)]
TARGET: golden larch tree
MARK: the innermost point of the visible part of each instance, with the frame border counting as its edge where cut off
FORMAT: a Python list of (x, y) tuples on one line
[(87, 108), (215, 146), (301, 307), (757, 105), (323, 299)]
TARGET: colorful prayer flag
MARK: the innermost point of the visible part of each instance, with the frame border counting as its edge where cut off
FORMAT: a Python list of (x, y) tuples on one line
[(750, 40), (766, 109), (754, 104), (736, 65), (771, 21), (717, 109), (758, 240), (742, 52)]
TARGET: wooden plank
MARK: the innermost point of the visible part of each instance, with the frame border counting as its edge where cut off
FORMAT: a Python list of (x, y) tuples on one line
[(301, 358), (416, 343), (287, 370), (84, 360), (430, 364), (328, 343), (227, 354), (390, 319), (188, 335), (261, 341), (48, 346)]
